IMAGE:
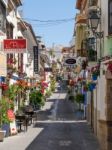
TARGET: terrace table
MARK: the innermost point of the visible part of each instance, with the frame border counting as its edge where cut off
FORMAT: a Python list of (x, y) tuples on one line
[(22, 119)]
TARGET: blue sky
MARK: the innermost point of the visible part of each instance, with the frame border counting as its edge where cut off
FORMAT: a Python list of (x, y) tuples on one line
[(51, 10)]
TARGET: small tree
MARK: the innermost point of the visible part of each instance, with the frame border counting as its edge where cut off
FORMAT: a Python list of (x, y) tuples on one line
[(36, 98), (5, 105), (79, 98)]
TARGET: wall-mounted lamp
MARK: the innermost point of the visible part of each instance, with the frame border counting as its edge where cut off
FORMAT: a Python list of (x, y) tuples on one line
[(94, 19)]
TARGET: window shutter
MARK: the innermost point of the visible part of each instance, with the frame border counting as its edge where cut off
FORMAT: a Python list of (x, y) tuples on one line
[(110, 17)]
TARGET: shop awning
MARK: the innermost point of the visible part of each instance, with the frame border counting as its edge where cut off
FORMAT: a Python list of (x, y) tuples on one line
[(80, 35)]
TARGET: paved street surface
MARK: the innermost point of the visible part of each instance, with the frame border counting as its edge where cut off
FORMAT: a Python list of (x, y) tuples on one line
[(58, 127)]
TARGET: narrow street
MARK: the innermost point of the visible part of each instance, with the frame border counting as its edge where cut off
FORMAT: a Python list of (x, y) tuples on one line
[(59, 127), (62, 128)]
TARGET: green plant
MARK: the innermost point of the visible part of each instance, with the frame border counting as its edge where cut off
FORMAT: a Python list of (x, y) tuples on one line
[(52, 85), (48, 93), (12, 91), (36, 98), (79, 98), (4, 107)]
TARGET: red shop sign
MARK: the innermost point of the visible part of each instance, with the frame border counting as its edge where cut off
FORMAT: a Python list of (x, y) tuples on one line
[(15, 45), (11, 115)]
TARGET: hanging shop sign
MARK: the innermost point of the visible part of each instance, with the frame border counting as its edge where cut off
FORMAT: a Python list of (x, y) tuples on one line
[(15, 45), (13, 128), (35, 51), (3, 67), (70, 61)]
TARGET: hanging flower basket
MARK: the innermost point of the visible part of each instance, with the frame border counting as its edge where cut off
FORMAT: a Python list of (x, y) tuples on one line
[(95, 71), (91, 86), (94, 77), (4, 86)]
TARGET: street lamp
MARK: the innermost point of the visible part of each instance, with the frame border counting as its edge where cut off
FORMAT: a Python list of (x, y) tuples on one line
[(94, 19)]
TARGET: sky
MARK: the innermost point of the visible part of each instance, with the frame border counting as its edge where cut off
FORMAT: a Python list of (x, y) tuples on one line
[(43, 10)]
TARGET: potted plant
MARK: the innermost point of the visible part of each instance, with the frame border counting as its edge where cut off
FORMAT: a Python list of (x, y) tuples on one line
[(5, 105), (48, 93), (91, 86), (79, 98), (36, 98), (95, 73)]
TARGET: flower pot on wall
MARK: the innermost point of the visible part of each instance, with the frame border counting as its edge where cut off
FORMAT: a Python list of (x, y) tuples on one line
[(94, 77), (92, 87)]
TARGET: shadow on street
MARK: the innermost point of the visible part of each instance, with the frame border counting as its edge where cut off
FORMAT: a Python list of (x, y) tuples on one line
[(62, 128)]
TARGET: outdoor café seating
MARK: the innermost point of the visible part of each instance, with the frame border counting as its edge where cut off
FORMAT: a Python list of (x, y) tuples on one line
[(25, 117), (22, 121), (28, 110)]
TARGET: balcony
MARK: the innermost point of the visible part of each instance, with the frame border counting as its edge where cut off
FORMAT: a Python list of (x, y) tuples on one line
[(93, 3), (82, 53), (81, 18), (18, 2), (13, 3), (80, 4), (80, 35), (10, 5)]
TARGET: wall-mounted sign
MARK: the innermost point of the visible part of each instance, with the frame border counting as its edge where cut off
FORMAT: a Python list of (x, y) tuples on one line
[(70, 61), (15, 45), (35, 51)]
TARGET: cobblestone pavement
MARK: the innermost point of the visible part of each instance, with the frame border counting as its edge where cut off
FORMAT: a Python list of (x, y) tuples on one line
[(58, 128)]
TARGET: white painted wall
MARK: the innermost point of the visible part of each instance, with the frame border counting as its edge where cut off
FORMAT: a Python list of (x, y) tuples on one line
[(104, 16), (101, 95)]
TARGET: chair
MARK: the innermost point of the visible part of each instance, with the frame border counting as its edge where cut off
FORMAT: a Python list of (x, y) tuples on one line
[(22, 120)]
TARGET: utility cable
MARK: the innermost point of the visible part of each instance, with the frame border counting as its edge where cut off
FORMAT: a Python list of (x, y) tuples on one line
[(57, 20), (49, 23)]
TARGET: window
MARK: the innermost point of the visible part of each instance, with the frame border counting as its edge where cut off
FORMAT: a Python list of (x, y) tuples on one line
[(9, 30), (110, 17), (2, 17)]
